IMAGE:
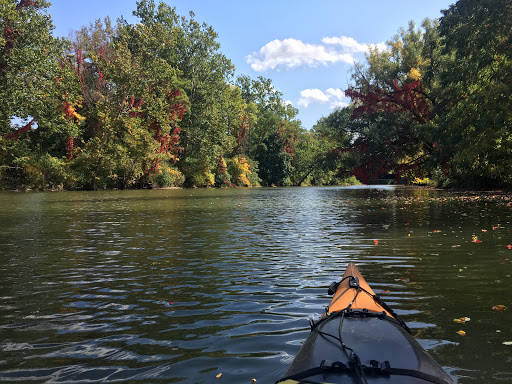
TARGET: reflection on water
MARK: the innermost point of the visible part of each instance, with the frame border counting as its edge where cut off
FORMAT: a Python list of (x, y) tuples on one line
[(180, 285)]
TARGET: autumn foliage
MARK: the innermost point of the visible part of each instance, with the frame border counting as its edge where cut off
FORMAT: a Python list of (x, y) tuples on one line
[(390, 146), (408, 98)]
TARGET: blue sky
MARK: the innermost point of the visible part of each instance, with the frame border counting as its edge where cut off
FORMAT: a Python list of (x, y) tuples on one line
[(307, 50)]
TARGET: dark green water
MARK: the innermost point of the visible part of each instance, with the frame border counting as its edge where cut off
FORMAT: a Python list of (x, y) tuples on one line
[(180, 285)]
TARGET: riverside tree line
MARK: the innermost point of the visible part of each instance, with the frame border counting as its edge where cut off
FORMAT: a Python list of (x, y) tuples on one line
[(157, 104)]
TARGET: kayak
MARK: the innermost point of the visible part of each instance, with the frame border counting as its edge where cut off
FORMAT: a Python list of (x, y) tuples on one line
[(358, 340)]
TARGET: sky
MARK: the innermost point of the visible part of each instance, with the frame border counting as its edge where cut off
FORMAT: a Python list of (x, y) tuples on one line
[(308, 51)]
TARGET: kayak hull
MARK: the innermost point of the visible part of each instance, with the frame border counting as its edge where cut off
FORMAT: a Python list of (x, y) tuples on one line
[(358, 336), (371, 338)]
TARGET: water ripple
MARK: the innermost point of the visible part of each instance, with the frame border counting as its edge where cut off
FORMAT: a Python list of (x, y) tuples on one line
[(177, 286)]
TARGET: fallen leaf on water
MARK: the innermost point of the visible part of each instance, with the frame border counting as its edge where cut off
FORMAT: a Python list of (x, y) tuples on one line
[(376, 242), (385, 291), (219, 376), (484, 230), (507, 343), (462, 320), (461, 332), (499, 307), (509, 246), (253, 381)]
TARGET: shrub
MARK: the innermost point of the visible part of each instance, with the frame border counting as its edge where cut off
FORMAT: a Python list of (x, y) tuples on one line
[(168, 177), (243, 172)]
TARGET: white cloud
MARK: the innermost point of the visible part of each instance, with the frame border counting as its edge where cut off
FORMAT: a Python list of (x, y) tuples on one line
[(309, 96), (335, 97), (348, 43), (338, 93), (290, 53), (380, 46), (351, 45)]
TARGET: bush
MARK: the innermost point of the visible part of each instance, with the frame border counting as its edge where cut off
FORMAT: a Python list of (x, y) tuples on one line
[(168, 177), (243, 172), (197, 172), (45, 172), (222, 176)]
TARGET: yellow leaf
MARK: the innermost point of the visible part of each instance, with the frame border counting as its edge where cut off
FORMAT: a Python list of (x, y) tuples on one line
[(219, 376), (414, 74), (461, 332)]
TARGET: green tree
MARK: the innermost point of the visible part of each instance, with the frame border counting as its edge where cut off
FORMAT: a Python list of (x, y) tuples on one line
[(132, 105), (207, 131), (474, 126), (273, 137), (274, 163), (318, 154), (28, 60), (34, 93)]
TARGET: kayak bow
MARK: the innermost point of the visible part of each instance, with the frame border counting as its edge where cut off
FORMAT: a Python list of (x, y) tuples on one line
[(360, 340)]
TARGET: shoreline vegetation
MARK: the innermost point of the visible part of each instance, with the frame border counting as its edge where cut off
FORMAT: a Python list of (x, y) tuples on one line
[(156, 104)]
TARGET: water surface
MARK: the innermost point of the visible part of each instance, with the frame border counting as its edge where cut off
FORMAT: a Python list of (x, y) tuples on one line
[(172, 286)]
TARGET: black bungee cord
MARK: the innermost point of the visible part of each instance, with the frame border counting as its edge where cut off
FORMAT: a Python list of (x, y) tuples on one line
[(353, 356)]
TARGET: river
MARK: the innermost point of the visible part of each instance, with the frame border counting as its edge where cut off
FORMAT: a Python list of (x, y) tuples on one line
[(166, 286)]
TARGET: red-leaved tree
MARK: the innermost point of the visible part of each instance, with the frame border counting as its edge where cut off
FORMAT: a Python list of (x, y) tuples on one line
[(386, 140)]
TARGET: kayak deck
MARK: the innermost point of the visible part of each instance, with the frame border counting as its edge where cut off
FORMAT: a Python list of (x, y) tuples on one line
[(359, 339), (357, 299)]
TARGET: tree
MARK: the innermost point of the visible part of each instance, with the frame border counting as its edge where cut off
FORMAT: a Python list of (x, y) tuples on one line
[(34, 93), (132, 104), (28, 60), (318, 154), (274, 163), (276, 130), (207, 131), (475, 119), (392, 105)]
